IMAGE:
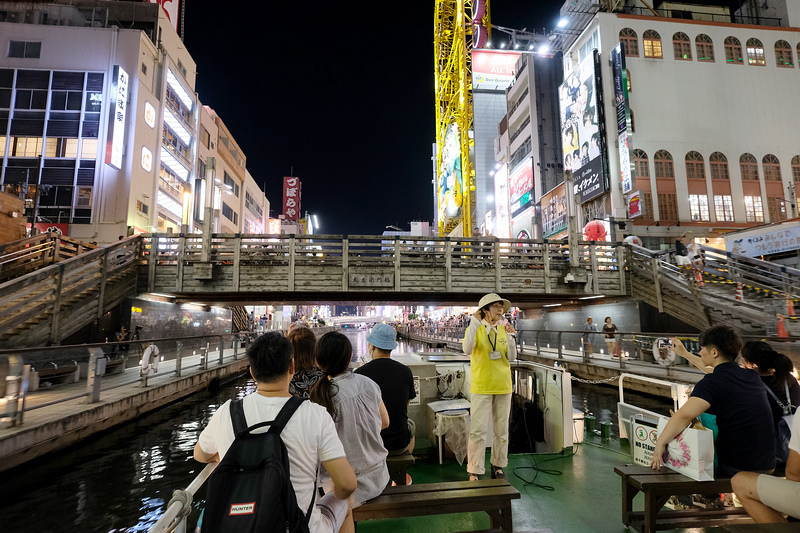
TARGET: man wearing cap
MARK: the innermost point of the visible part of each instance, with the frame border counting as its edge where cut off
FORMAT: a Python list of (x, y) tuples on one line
[(397, 388), (490, 345)]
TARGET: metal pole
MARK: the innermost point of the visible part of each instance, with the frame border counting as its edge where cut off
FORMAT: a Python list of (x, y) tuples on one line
[(26, 377), (178, 357), (221, 348), (236, 342), (560, 351), (93, 374)]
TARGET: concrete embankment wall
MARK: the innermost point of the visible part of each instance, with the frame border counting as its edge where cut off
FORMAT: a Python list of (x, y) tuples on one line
[(72, 422)]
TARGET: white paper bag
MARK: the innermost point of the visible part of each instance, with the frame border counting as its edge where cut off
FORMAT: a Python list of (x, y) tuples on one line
[(691, 453)]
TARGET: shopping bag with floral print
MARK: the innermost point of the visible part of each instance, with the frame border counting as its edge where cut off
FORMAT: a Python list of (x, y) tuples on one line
[(691, 453)]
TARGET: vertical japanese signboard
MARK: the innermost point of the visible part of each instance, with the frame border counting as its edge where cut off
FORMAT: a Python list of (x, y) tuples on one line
[(620, 75), (583, 128), (291, 198), (119, 105), (520, 188)]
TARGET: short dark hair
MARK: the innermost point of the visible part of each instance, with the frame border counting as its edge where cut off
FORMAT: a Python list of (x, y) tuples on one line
[(270, 357), (725, 339)]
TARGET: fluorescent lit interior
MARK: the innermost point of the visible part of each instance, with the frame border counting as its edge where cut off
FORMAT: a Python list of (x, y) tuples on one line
[(173, 164), (169, 204), (175, 125), (176, 86)]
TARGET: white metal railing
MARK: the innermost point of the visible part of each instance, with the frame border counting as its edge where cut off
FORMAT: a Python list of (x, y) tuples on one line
[(179, 507)]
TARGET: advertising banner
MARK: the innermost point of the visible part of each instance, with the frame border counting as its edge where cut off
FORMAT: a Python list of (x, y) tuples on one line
[(620, 75), (291, 198), (520, 187), (172, 8), (582, 134), (61, 228), (635, 205), (502, 217), (450, 183), (589, 183), (554, 213), (119, 107), (493, 69), (765, 241)]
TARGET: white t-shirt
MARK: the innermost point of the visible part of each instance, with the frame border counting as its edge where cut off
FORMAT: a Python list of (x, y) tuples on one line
[(310, 438), (794, 442)]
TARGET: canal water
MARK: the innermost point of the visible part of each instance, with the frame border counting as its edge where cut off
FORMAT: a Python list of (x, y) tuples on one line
[(122, 479)]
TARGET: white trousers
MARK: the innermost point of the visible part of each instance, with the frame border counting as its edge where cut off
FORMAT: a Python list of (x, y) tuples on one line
[(484, 407)]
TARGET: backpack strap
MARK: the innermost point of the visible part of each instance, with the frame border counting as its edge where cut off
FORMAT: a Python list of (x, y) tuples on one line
[(286, 412), (237, 417), (775, 397)]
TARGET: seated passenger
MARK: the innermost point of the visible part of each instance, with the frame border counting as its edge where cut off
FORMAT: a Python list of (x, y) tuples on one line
[(309, 436), (397, 388), (775, 370), (766, 498), (354, 402), (306, 372), (738, 399)]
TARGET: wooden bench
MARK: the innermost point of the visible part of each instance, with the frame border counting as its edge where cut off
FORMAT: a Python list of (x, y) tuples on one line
[(398, 467), (115, 366), (760, 528), (56, 374), (491, 495), (657, 488)]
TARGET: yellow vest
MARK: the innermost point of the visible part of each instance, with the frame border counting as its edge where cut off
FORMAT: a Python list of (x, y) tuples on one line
[(490, 376)]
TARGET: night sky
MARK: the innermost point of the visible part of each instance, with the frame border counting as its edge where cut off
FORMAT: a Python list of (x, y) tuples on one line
[(343, 96)]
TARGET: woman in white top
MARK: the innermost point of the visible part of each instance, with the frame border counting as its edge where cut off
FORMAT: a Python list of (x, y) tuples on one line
[(354, 401)]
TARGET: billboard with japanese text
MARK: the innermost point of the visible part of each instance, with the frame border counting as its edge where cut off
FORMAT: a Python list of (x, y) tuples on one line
[(765, 240), (554, 213), (291, 198), (520, 188), (493, 69), (450, 183), (582, 128)]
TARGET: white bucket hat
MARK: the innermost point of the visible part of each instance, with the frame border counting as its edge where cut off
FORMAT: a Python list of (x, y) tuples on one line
[(492, 298)]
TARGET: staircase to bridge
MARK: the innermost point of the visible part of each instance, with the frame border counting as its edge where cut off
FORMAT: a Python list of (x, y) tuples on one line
[(48, 305)]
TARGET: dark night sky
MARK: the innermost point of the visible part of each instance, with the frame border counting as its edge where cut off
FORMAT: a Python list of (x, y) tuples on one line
[(342, 95)]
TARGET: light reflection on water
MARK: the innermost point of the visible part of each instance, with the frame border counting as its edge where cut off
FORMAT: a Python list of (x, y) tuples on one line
[(121, 480)]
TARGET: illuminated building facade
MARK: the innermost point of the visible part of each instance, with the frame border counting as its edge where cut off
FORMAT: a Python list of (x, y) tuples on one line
[(99, 120), (714, 108)]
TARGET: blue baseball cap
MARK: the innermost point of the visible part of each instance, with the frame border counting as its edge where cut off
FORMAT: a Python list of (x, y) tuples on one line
[(383, 336)]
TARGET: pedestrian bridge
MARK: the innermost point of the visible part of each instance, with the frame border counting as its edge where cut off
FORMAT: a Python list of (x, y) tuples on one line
[(54, 302), (247, 268)]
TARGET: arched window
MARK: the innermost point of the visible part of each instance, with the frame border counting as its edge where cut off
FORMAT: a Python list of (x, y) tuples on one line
[(630, 42), (651, 41), (664, 166), (705, 48), (719, 166), (783, 54), (749, 167), (695, 169), (682, 46), (796, 169), (755, 52), (733, 51), (772, 168), (641, 166)]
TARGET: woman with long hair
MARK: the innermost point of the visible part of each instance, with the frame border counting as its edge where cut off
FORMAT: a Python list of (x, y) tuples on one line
[(775, 370), (306, 373), (354, 402)]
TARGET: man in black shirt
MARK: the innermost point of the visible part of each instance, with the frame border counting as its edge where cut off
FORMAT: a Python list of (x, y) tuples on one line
[(397, 388), (737, 397)]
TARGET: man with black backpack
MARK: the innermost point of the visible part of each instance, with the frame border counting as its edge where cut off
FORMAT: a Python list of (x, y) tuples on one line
[(248, 490)]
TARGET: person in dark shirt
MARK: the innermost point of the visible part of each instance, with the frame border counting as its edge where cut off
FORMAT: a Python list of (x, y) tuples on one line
[(738, 399), (397, 388), (682, 251), (775, 370)]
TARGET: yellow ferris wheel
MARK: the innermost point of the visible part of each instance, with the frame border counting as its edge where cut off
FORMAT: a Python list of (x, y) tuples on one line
[(459, 25)]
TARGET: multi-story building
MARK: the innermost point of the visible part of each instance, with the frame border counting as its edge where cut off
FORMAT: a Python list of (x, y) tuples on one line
[(714, 113), (99, 122), (255, 207)]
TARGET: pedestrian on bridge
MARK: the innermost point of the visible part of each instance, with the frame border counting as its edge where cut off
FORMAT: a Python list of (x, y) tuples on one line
[(588, 336), (490, 343)]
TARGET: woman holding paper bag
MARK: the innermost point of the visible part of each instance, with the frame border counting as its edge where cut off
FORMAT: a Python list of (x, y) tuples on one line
[(746, 439)]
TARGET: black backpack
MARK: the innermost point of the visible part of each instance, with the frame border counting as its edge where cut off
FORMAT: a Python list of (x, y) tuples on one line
[(250, 490)]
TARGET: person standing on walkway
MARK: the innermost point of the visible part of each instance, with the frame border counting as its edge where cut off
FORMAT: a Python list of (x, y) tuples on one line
[(609, 328), (588, 336), (490, 345), (682, 251)]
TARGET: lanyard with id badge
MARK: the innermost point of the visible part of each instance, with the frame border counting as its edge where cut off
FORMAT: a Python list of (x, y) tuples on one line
[(494, 354)]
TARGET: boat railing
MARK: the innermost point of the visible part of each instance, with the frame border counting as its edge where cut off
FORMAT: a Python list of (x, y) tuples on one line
[(179, 507), (189, 353), (679, 393)]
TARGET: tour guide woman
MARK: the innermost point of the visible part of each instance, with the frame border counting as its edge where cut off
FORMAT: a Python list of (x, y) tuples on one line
[(490, 347)]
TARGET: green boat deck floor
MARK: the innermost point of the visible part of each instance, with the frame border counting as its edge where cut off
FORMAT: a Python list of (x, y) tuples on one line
[(584, 497)]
